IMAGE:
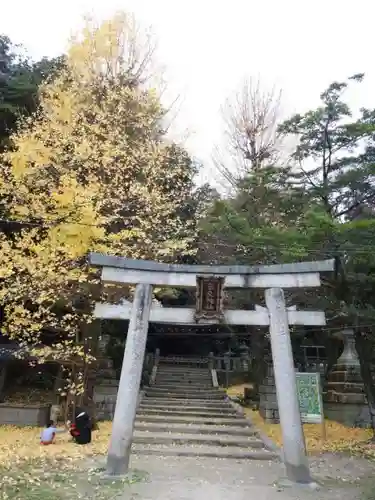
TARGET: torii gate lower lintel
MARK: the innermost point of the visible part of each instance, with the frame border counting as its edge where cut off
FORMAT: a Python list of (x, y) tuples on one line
[(273, 278)]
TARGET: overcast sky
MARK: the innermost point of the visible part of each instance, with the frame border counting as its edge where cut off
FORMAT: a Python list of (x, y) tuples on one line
[(209, 46)]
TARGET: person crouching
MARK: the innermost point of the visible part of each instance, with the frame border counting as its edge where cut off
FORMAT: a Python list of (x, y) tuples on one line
[(81, 429), (48, 434)]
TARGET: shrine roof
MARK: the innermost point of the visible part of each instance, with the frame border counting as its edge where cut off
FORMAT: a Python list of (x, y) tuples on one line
[(103, 260)]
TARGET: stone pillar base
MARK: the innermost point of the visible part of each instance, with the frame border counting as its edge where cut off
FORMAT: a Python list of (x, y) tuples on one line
[(348, 414)]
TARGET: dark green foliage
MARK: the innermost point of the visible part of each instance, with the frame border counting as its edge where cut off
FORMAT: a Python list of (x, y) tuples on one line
[(19, 82), (320, 205)]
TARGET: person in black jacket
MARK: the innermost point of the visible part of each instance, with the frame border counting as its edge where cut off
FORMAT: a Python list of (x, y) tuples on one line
[(81, 429)]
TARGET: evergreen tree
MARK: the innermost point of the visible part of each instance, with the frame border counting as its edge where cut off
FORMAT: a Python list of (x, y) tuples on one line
[(19, 82)]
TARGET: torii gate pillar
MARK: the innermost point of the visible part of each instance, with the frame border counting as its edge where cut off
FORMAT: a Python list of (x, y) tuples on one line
[(294, 448), (128, 391)]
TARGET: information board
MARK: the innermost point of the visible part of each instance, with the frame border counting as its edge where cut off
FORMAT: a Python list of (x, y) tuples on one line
[(310, 397)]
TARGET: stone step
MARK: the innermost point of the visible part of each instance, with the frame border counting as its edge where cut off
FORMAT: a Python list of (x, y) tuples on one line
[(183, 395), (208, 403), (183, 371), (184, 378), (191, 419), (184, 383), (184, 411), (185, 388), (206, 377), (195, 428), (186, 408), (179, 381), (177, 368), (145, 437), (205, 451), (211, 390), (172, 361)]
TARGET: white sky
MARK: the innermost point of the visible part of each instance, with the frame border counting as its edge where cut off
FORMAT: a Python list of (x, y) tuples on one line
[(208, 47)]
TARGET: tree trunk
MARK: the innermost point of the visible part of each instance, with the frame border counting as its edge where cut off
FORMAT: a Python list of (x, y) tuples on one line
[(365, 350)]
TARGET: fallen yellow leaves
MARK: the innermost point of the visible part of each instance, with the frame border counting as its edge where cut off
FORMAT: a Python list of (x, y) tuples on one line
[(338, 437), (19, 444), (238, 390), (60, 471)]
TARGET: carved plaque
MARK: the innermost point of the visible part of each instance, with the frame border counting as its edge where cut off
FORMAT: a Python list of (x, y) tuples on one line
[(209, 298)]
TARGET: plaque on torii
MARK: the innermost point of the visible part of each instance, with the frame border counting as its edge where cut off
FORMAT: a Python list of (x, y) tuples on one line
[(209, 298)]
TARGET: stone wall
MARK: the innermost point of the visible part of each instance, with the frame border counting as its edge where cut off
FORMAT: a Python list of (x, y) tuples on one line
[(105, 396), (33, 415)]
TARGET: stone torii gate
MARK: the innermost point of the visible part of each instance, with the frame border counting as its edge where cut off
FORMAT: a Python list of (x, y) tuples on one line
[(210, 281)]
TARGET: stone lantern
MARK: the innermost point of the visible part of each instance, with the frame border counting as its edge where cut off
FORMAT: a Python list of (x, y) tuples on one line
[(344, 399)]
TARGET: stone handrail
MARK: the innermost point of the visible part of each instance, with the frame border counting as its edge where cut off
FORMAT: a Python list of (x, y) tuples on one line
[(215, 381), (155, 367), (149, 359)]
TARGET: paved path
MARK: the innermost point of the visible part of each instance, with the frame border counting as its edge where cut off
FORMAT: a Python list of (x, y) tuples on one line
[(181, 478)]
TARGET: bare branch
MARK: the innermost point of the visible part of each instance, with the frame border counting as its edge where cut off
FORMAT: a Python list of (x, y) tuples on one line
[(250, 130)]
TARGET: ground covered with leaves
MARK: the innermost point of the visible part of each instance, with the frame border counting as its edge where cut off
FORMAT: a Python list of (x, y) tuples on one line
[(60, 471), (338, 437)]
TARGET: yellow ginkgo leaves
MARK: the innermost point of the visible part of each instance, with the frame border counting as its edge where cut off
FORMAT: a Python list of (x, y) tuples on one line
[(91, 171)]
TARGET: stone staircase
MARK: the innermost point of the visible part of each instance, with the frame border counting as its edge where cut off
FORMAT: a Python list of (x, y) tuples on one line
[(182, 414)]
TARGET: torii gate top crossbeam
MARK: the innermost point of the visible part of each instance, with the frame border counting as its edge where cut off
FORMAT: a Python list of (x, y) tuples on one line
[(102, 260), (130, 271)]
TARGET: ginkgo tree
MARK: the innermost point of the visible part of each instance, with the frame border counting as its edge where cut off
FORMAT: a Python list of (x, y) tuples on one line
[(92, 170)]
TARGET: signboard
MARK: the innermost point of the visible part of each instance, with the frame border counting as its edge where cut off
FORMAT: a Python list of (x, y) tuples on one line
[(209, 298), (310, 397)]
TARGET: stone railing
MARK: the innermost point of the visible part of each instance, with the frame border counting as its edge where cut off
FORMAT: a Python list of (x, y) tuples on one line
[(230, 364), (192, 361), (313, 366), (224, 363), (154, 370)]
